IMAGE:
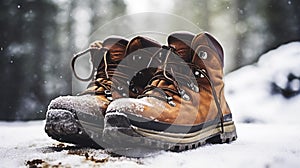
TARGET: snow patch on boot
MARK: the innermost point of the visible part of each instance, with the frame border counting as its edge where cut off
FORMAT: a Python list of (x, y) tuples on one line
[(134, 105), (85, 104)]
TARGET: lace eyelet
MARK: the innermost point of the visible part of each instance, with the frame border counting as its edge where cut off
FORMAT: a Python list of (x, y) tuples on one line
[(108, 95), (134, 90), (140, 73), (203, 54), (203, 70), (159, 54), (194, 87), (197, 73), (184, 95), (136, 57), (170, 101), (107, 92)]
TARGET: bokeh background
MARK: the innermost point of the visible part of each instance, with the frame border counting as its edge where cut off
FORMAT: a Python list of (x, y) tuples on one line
[(39, 37)]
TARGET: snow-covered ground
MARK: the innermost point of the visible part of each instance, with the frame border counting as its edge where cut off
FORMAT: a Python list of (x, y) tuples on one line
[(268, 91), (258, 145), (264, 99)]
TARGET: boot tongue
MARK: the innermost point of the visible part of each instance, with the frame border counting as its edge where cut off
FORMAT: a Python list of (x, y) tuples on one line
[(176, 69), (141, 58), (181, 42), (140, 53), (143, 44), (116, 47)]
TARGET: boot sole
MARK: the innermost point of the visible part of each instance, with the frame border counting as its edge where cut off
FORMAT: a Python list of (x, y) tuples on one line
[(64, 126), (127, 139)]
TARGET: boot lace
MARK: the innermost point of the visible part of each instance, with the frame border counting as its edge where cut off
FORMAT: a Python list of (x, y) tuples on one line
[(102, 74), (164, 75)]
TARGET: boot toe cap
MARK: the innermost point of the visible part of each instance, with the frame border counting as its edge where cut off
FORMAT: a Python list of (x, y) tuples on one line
[(85, 104), (147, 107)]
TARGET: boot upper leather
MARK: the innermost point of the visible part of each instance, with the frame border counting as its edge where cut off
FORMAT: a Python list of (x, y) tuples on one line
[(181, 91)]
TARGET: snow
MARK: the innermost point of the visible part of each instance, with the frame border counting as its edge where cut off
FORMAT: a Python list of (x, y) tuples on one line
[(249, 89), (135, 105), (83, 103), (258, 145), (267, 125)]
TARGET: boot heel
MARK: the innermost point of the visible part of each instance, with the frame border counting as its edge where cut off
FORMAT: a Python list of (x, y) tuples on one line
[(228, 136)]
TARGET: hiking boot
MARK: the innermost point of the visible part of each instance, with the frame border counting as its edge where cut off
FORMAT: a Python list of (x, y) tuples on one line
[(79, 119), (183, 107)]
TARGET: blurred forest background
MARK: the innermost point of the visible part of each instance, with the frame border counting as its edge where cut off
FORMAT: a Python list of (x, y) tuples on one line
[(39, 37)]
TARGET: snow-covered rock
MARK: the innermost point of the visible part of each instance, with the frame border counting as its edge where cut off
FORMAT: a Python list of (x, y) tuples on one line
[(268, 91)]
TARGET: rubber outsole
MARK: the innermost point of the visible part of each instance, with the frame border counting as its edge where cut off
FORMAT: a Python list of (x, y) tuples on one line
[(77, 128), (126, 139)]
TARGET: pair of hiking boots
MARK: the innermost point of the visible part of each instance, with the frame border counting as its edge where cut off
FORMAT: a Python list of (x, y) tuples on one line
[(148, 96)]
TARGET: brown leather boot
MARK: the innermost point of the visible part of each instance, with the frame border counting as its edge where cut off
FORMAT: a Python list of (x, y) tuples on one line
[(182, 108), (79, 119), (68, 116)]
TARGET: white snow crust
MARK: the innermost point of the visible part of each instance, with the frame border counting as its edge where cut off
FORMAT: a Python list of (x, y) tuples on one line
[(85, 103), (249, 90)]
